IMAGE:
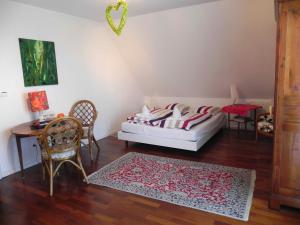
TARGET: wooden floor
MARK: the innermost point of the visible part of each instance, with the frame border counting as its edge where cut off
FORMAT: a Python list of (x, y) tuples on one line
[(27, 201)]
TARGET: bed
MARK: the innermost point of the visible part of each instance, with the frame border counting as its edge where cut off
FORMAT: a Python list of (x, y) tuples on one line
[(191, 140)]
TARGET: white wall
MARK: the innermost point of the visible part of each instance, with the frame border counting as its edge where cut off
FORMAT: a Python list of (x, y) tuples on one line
[(89, 67), (198, 51)]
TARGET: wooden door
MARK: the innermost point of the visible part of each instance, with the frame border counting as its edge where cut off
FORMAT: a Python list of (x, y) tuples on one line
[(286, 170)]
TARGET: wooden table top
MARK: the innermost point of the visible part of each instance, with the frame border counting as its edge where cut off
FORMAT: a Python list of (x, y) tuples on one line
[(25, 130)]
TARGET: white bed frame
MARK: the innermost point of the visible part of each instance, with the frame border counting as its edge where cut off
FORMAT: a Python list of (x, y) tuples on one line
[(172, 143)]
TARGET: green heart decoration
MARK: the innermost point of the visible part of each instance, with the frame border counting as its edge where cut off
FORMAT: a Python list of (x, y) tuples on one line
[(110, 20)]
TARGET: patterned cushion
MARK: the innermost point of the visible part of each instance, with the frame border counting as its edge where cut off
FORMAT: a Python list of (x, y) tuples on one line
[(62, 155), (265, 124)]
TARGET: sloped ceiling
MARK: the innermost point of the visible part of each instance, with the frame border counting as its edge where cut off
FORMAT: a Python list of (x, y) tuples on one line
[(199, 51), (95, 9)]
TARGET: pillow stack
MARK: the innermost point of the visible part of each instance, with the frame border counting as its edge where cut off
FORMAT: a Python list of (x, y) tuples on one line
[(175, 115)]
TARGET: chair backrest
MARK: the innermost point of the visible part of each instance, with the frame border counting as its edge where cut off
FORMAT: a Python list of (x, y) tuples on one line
[(85, 111), (61, 135)]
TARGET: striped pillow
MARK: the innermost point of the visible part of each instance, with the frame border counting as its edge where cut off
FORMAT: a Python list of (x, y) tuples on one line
[(187, 121), (156, 116), (193, 119), (159, 115), (208, 109), (181, 107)]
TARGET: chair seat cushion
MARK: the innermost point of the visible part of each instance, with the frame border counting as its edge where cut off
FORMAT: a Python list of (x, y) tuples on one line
[(265, 124), (61, 155), (266, 118)]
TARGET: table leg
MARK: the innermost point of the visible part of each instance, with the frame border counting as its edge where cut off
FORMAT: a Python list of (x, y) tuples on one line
[(19, 146), (228, 120), (254, 120)]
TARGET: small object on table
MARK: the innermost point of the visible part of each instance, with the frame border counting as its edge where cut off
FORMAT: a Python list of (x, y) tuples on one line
[(38, 102), (234, 94), (271, 110), (241, 110), (39, 124), (60, 115)]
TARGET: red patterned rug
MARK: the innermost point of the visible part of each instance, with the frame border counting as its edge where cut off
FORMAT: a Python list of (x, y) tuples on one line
[(212, 188)]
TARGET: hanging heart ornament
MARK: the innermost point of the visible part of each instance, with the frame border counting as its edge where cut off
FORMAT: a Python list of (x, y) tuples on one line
[(121, 4)]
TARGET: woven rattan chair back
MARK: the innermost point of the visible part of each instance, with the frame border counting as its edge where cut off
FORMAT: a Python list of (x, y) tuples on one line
[(85, 111), (61, 135)]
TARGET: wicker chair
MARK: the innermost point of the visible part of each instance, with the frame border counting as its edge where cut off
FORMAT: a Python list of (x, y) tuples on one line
[(264, 125), (60, 143), (85, 111)]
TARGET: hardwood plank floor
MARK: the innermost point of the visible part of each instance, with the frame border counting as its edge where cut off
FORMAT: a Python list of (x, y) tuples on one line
[(27, 201)]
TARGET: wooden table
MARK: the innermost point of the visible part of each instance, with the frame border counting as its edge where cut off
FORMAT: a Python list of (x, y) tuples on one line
[(241, 110), (24, 131)]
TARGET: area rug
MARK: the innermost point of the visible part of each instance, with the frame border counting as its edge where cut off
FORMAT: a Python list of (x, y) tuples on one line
[(212, 188)]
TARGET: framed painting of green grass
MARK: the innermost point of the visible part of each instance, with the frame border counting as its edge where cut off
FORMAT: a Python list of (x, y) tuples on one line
[(38, 62)]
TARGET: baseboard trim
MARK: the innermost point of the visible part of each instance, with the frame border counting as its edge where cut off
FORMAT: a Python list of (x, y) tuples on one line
[(14, 170)]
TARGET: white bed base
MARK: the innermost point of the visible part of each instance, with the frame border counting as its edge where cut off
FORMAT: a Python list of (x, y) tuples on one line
[(172, 143)]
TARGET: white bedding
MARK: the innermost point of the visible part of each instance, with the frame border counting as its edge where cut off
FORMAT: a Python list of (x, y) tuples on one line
[(194, 134)]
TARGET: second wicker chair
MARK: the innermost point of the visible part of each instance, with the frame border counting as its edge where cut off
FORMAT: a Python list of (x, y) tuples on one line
[(85, 111), (60, 144)]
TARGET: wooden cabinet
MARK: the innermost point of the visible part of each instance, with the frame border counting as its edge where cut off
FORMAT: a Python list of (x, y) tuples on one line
[(286, 165)]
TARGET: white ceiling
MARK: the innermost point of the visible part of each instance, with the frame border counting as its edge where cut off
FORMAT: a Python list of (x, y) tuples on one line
[(95, 9)]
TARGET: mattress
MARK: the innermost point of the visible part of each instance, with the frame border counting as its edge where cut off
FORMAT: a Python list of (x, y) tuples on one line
[(194, 134)]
